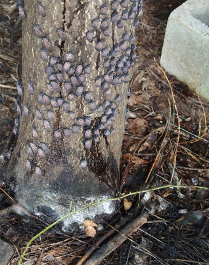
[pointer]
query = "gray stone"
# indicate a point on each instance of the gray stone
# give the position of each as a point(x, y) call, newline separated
point(185, 52)
point(6, 252)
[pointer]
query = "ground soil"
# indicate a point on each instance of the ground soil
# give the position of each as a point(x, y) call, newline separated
point(165, 142)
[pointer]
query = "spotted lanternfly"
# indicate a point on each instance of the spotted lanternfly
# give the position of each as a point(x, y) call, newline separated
point(134, 7)
point(124, 15)
point(108, 111)
point(38, 31)
point(126, 78)
point(21, 12)
point(50, 115)
point(71, 71)
point(41, 9)
point(96, 132)
point(66, 107)
point(38, 171)
point(87, 144)
point(106, 103)
point(87, 96)
point(95, 23)
point(112, 53)
point(49, 70)
point(79, 91)
point(46, 43)
point(120, 24)
point(60, 101)
point(67, 132)
point(44, 55)
point(117, 98)
point(128, 51)
point(103, 9)
point(26, 110)
point(70, 96)
point(88, 121)
point(113, 105)
point(47, 125)
point(106, 63)
point(83, 163)
point(50, 89)
point(106, 32)
point(105, 84)
point(90, 35)
point(30, 88)
point(136, 22)
point(82, 78)
point(101, 126)
point(62, 34)
point(98, 81)
point(131, 14)
point(29, 151)
point(75, 128)
point(103, 119)
point(46, 100)
point(132, 37)
point(114, 5)
point(41, 153)
point(38, 114)
point(78, 69)
point(114, 17)
point(99, 45)
point(53, 60)
point(104, 23)
point(59, 67)
point(87, 69)
point(100, 108)
point(68, 87)
point(107, 91)
point(124, 4)
point(72, 115)
point(112, 116)
point(59, 77)
point(55, 86)
point(125, 36)
point(113, 61)
point(123, 46)
point(112, 131)
point(28, 166)
point(57, 134)
point(96, 139)
point(52, 77)
point(87, 133)
point(81, 122)
point(68, 56)
point(104, 52)
point(66, 66)
point(106, 132)
point(34, 148)
point(74, 81)
point(19, 88)
point(45, 148)
point(107, 78)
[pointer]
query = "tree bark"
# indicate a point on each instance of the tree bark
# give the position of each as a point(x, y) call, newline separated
point(72, 123)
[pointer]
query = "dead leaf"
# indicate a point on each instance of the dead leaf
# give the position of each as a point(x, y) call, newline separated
point(127, 204)
point(138, 126)
point(89, 228)
point(134, 159)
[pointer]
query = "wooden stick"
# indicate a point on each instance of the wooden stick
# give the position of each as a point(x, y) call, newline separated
point(117, 240)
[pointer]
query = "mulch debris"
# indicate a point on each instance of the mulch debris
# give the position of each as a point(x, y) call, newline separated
point(165, 142)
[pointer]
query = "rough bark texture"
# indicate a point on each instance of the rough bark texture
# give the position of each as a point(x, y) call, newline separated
point(46, 181)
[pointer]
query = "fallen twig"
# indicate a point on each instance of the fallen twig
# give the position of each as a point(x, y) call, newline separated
point(117, 240)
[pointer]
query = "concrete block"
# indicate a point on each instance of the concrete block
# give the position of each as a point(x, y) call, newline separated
point(185, 52)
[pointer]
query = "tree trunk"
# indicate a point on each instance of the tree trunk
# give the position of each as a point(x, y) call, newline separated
point(75, 63)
